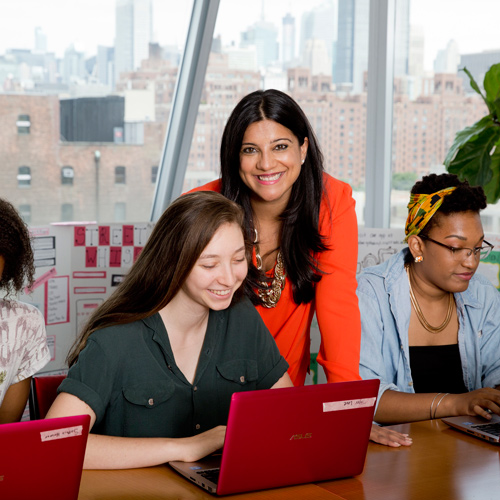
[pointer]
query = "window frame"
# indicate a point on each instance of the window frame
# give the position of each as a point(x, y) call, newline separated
point(173, 165)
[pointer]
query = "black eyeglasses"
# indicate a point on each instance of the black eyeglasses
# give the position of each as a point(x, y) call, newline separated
point(460, 254)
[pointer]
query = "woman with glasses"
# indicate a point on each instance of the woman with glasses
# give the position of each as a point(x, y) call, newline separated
point(430, 324)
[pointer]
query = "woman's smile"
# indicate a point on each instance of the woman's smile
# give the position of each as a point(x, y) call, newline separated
point(271, 160)
point(270, 178)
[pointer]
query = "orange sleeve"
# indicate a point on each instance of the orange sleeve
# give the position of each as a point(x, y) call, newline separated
point(209, 186)
point(337, 308)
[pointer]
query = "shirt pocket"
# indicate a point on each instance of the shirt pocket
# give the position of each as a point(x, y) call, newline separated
point(242, 373)
point(237, 375)
point(149, 395)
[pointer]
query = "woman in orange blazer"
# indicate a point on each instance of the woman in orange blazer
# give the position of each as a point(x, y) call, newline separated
point(304, 228)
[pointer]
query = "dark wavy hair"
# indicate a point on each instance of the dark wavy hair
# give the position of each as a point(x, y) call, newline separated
point(465, 198)
point(15, 248)
point(299, 238)
point(177, 240)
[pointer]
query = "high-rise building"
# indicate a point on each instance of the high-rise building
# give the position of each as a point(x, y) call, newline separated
point(402, 38)
point(447, 60)
point(320, 24)
point(73, 65)
point(134, 32)
point(416, 51)
point(352, 43)
point(316, 57)
point(40, 41)
point(264, 36)
point(351, 60)
point(288, 43)
point(478, 64)
point(105, 65)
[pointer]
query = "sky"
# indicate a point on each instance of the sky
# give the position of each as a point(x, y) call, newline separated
point(87, 24)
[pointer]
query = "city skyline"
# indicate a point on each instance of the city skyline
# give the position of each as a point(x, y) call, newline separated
point(441, 22)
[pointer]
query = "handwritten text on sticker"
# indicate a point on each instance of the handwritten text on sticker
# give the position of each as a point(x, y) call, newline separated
point(67, 432)
point(351, 404)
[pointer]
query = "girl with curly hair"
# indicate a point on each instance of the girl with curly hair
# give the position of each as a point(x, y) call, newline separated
point(23, 342)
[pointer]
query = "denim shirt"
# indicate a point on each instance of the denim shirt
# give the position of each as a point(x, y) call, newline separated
point(384, 302)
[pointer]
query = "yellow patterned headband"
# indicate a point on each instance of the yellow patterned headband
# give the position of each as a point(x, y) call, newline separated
point(421, 208)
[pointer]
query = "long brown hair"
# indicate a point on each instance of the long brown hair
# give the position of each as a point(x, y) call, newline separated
point(178, 239)
point(300, 239)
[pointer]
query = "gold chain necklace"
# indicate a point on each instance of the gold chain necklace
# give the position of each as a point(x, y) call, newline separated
point(420, 314)
point(272, 293)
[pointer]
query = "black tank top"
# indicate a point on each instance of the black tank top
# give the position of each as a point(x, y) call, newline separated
point(437, 368)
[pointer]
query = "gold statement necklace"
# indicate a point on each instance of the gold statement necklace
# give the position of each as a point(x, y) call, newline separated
point(420, 314)
point(272, 292)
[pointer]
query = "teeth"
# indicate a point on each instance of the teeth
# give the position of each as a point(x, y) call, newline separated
point(273, 177)
point(222, 293)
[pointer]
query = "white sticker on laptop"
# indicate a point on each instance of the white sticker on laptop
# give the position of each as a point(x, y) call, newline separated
point(349, 404)
point(64, 433)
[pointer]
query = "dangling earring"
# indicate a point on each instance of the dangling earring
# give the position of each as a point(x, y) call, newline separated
point(419, 259)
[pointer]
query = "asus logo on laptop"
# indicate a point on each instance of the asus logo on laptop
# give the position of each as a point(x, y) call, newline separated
point(307, 435)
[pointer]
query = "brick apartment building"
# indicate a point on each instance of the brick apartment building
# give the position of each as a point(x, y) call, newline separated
point(50, 179)
point(423, 129)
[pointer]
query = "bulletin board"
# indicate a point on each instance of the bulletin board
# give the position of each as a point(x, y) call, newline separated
point(77, 267)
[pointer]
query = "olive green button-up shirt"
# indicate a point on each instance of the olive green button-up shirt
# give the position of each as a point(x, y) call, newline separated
point(128, 376)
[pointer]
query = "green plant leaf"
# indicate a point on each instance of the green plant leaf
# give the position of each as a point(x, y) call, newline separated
point(475, 86)
point(473, 159)
point(492, 83)
point(492, 189)
point(496, 105)
point(473, 82)
point(466, 135)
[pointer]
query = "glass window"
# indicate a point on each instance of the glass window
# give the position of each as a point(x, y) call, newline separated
point(316, 51)
point(77, 91)
point(23, 124)
point(67, 176)
point(24, 177)
point(154, 174)
point(25, 213)
point(67, 212)
point(120, 175)
point(120, 212)
point(428, 83)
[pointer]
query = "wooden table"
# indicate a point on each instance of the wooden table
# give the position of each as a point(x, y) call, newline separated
point(441, 464)
point(163, 483)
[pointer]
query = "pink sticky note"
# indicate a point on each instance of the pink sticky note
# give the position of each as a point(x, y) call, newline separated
point(137, 251)
point(79, 236)
point(90, 256)
point(103, 235)
point(128, 236)
point(115, 256)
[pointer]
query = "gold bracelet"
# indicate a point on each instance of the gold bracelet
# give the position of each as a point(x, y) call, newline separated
point(439, 402)
point(430, 411)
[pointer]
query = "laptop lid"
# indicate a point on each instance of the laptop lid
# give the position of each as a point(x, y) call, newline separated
point(43, 459)
point(282, 437)
point(489, 430)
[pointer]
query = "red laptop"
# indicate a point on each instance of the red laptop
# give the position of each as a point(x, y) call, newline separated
point(43, 459)
point(281, 437)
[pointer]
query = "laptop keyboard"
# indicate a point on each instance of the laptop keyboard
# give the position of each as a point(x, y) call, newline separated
point(490, 428)
point(210, 474)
